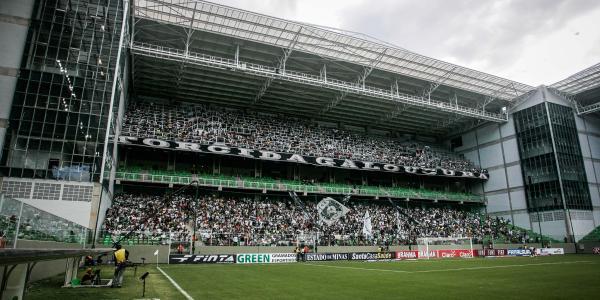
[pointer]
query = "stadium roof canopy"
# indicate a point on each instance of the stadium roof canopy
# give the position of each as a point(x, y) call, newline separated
point(583, 88)
point(187, 50)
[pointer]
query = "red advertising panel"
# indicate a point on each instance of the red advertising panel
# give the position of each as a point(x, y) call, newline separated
point(448, 253)
point(407, 254)
point(464, 253)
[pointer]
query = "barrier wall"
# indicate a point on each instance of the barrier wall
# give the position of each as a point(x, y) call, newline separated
point(147, 251)
point(588, 247)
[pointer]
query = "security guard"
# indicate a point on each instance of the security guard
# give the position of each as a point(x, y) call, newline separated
point(120, 256)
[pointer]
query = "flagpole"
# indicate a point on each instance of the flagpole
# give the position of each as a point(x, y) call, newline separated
point(156, 254)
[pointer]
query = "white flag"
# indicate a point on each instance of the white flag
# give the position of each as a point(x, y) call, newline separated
point(156, 252)
point(367, 229)
point(330, 210)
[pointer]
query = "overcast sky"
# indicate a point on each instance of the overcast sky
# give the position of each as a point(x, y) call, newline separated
point(529, 41)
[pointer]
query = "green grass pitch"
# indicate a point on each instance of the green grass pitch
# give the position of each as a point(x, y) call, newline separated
point(556, 277)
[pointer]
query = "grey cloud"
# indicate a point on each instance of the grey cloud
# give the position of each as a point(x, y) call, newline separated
point(487, 35)
point(492, 33)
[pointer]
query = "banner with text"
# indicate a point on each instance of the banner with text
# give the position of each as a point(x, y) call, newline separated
point(448, 253)
point(265, 258)
point(550, 251)
point(326, 256)
point(407, 254)
point(519, 252)
point(350, 256)
point(202, 259)
point(371, 255)
point(296, 158)
point(492, 252)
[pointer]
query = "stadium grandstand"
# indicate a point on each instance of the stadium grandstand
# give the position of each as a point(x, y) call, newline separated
point(160, 123)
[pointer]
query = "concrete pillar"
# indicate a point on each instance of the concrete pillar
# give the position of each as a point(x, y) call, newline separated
point(14, 24)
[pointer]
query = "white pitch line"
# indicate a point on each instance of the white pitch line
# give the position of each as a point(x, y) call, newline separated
point(446, 270)
point(502, 266)
point(182, 291)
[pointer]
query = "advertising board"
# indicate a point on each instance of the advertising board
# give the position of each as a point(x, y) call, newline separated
point(202, 259)
point(265, 258)
point(519, 252)
point(491, 252)
point(550, 251)
point(407, 254)
point(326, 256)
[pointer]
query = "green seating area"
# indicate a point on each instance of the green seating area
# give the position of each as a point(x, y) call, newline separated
point(270, 184)
point(593, 236)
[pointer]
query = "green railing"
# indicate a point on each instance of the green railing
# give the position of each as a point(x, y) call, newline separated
point(296, 186)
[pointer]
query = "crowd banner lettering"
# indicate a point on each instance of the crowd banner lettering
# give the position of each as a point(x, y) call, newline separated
point(296, 158)
point(202, 259)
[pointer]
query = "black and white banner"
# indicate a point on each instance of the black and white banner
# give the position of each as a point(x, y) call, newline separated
point(326, 256)
point(372, 255)
point(202, 259)
point(296, 158)
point(350, 256)
point(330, 210)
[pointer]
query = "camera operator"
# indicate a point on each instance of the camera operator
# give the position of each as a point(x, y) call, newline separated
point(120, 257)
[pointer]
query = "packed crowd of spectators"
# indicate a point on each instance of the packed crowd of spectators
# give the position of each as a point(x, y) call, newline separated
point(206, 125)
point(148, 218)
point(250, 222)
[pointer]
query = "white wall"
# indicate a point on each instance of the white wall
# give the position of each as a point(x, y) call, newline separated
point(52, 196)
point(518, 199)
point(74, 211)
point(582, 227)
point(554, 229)
point(491, 155)
point(521, 219)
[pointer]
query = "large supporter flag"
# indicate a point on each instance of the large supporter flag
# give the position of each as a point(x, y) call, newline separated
point(330, 210)
point(367, 228)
